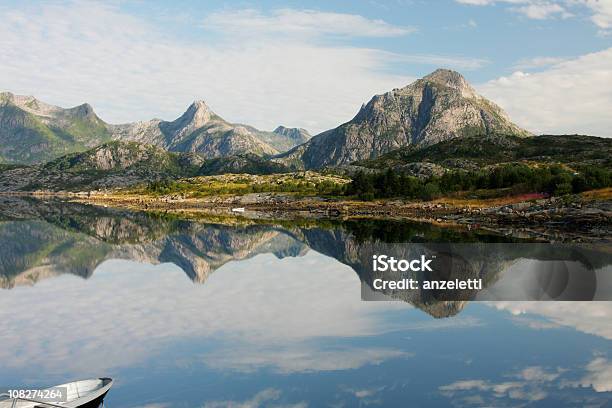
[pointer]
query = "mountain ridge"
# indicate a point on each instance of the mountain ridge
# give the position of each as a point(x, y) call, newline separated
point(32, 131)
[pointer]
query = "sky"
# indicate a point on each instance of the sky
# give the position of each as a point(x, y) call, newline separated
point(547, 63)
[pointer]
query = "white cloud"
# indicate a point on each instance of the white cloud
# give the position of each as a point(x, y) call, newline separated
point(599, 375)
point(457, 62)
point(533, 383)
point(465, 385)
point(538, 62)
point(264, 398)
point(538, 374)
point(516, 390)
point(542, 11)
point(296, 358)
point(588, 317)
point(600, 10)
point(569, 97)
point(251, 22)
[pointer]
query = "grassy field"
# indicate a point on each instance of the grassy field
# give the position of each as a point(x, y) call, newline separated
point(300, 183)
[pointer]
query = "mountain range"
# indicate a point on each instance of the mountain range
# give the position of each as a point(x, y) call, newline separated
point(436, 123)
point(33, 132)
point(200, 130)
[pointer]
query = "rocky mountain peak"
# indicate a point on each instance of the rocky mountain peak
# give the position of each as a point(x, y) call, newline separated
point(290, 137)
point(280, 129)
point(196, 115)
point(450, 79)
point(446, 77)
point(29, 104)
point(198, 105)
point(288, 131)
point(84, 111)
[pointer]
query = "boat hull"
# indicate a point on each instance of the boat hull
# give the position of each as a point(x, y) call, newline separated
point(95, 403)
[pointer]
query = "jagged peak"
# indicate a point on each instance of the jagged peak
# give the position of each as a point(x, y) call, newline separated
point(199, 104)
point(29, 104)
point(17, 99)
point(444, 75)
point(83, 111)
point(451, 79)
point(199, 108)
point(280, 129)
point(196, 115)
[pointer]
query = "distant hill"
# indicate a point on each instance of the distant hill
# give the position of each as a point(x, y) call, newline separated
point(245, 163)
point(438, 107)
point(32, 131)
point(475, 152)
point(113, 164)
point(120, 164)
point(290, 137)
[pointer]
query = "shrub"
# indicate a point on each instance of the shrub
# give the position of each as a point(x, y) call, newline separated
point(517, 177)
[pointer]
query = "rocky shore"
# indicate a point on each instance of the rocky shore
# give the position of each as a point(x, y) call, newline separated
point(573, 218)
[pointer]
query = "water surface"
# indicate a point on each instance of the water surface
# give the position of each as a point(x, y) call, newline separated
point(191, 314)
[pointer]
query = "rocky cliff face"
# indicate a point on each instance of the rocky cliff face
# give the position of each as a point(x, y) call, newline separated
point(438, 107)
point(32, 131)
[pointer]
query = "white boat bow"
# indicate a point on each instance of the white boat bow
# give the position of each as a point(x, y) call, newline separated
point(79, 394)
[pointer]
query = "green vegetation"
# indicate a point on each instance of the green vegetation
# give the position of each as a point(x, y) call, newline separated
point(118, 156)
point(500, 164)
point(472, 152)
point(512, 178)
point(243, 163)
point(303, 183)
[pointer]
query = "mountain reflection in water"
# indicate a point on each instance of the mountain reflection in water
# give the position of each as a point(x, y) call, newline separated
point(279, 322)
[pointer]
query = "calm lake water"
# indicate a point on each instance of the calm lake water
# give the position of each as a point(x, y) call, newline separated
point(200, 314)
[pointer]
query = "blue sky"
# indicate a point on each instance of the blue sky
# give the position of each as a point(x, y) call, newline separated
point(499, 36)
point(548, 63)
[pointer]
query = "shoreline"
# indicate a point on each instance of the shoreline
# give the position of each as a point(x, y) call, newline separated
point(579, 218)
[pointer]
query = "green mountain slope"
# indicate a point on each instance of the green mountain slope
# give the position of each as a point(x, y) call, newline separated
point(113, 164)
point(32, 131)
point(474, 152)
point(246, 163)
